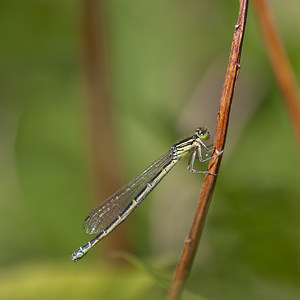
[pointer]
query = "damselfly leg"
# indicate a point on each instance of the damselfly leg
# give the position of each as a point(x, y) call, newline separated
point(198, 152)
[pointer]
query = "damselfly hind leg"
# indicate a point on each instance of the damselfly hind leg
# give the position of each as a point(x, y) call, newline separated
point(190, 166)
point(197, 152)
point(218, 153)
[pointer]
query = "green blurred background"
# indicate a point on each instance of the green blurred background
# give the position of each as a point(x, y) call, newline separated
point(166, 62)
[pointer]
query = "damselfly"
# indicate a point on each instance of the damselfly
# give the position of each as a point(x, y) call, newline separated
point(113, 211)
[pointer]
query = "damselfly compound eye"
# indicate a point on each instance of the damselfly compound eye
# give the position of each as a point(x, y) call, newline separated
point(203, 133)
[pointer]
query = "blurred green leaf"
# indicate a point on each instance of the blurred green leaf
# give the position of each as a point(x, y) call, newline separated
point(160, 56)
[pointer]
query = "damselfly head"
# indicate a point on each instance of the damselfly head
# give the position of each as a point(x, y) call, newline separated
point(202, 133)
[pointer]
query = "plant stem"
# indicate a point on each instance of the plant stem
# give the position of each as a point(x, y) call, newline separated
point(191, 243)
point(105, 168)
point(280, 64)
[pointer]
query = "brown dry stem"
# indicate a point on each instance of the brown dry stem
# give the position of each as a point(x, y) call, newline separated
point(191, 244)
point(103, 149)
point(280, 64)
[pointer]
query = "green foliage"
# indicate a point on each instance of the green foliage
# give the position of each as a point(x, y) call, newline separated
point(161, 53)
point(66, 281)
